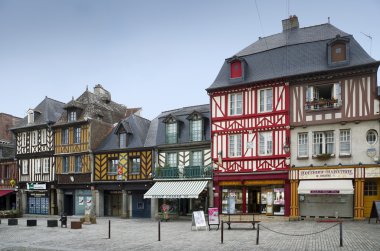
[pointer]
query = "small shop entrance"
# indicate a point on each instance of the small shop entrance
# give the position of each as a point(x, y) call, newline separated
point(68, 204)
point(371, 193)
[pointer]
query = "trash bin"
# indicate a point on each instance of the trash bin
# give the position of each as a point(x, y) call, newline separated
point(63, 220)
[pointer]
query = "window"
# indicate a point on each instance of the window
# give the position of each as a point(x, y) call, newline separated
point(34, 138)
point(113, 166)
point(72, 116)
point(236, 69)
point(171, 133)
point(323, 143)
point(196, 158)
point(196, 130)
point(78, 164)
point(303, 149)
point(45, 165)
point(265, 100)
point(77, 132)
point(23, 139)
point(345, 142)
point(323, 96)
point(43, 136)
point(65, 136)
point(338, 52)
point(370, 188)
point(135, 165)
point(371, 137)
point(30, 116)
point(122, 140)
point(65, 164)
point(234, 145)
point(37, 167)
point(24, 164)
point(265, 143)
point(236, 104)
point(171, 159)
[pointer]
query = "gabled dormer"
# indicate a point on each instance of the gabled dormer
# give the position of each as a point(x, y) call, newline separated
point(196, 122)
point(123, 130)
point(338, 51)
point(74, 109)
point(171, 129)
point(237, 68)
point(30, 116)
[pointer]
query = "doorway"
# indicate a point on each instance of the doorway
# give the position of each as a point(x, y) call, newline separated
point(68, 204)
point(253, 201)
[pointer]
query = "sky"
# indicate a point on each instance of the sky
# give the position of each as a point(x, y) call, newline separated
point(155, 54)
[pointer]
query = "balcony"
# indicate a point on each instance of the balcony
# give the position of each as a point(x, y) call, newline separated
point(188, 172)
point(322, 104)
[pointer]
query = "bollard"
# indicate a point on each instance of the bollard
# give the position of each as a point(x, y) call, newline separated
point(109, 229)
point(257, 233)
point(221, 233)
point(341, 233)
point(159, 230)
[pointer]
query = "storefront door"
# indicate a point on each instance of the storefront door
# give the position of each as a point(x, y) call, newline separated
point(38, 205)
point(371, 193)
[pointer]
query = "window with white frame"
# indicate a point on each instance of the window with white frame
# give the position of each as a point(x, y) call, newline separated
point(122, 140)
point(345, 142)
point(371, 137)
point(24, 166)
point(323, 96)
point(235, 104)
point(265, 143)
point(23, 139)
point(323, 142)
point(196, 158)
point(43, 136)
point(30, 116)
point(265, 100)
point(113, 165)
point(77, 133)
point(45, 165)
point(234, 145)
point(196, 130)
point(34, 138)
point(303, 149)
point(134, 165)
point(171, 132)
point(72, 116)
point(37, 166)
point(171, 159)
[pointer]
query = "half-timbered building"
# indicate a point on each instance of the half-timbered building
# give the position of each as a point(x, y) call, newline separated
point(35, 158)
point(83, 125)
point(8, 165)
point(183, 168)
point(123, 170)
point(334, 116)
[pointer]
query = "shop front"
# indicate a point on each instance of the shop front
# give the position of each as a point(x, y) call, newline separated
point(371, 188)
point(260, 193)
point(40, 198)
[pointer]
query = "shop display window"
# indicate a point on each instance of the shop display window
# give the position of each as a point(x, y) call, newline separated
point(232, 201)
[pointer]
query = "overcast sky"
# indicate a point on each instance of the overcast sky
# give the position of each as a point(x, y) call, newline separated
point(157, 54)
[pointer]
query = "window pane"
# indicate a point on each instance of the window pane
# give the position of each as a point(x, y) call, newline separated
point(78, 164)
point(171, 133)
point(239, 103)
point(317, 143)
point(345, 142)
point(302, 144)
point(269, 99)
point(196, 158)
point(196, 130)
point(232, 104)
point(122, 140)
point(329, 142)
point(261, 100)
point(113, 165)
point(135, 165)
point(171, 160)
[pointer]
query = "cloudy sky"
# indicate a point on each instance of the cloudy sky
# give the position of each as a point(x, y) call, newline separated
point(157, 54)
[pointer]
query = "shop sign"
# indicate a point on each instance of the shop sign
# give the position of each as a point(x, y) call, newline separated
point(36, 186)
point(326, 174)
point(372, 172)
point(324, 191)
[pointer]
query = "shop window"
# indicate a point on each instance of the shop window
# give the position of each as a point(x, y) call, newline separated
point(235, 104)
point(265, 143)
point(234, 145)
point(266, 100)
point(112, 166)
point(323, 143)
point(134, 165)
point(303, 145)
point(370, 188)
point(324, 96)
point(232, 201)
point(371, 137)
point(345, 142)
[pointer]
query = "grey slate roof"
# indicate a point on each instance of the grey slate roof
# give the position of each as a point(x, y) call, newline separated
point(290, 53)
point(46, 112)
point(136, 128)
point(156, 133)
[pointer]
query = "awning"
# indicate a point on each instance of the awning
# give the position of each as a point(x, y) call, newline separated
point(325, 187)
point(5, 192)
point(176, 189)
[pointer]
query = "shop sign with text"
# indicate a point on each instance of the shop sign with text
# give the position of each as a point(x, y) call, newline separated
point(346, 173)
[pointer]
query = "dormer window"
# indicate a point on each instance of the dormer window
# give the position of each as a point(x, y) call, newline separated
point(236, 69)
point(30, 116)
point(72, 116)
point(338, 51)
point(171, 130)
point(196, 126)
point(122, 140)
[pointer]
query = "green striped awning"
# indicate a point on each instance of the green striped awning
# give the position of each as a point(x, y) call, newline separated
point(176, 189)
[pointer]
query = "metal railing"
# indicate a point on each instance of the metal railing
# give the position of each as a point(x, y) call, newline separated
point(187, 172)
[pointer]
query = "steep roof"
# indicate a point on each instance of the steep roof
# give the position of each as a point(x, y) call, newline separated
point(46, 112)
point(290, 53)
point(135, 126)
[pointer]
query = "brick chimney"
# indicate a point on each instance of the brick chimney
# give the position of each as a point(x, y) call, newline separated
point(290, 23)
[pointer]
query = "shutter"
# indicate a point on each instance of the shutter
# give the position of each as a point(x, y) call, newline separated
point(337, 94)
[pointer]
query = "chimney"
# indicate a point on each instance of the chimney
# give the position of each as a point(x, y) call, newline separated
point(102, 93)
point(290, 23)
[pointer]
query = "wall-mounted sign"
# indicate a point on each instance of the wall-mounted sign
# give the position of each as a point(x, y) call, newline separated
point(371, 152)
point(36, 186)
point(345, 173)
point(372, 172)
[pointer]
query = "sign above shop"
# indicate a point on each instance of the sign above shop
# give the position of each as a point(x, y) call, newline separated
point(372, 172)
point(347, 173)
point(324, 191)
point(36, 186)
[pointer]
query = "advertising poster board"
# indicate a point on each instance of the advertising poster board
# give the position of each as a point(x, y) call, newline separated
point(213, 217)
point(198, 220)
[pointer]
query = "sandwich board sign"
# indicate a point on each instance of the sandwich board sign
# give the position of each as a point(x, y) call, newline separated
point(213, 217)
point(375, 211)
point(198, 220)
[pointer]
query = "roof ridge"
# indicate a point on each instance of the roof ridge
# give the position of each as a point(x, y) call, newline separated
point(46, 97)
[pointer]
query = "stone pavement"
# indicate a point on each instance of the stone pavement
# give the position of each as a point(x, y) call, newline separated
point(142, 234)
